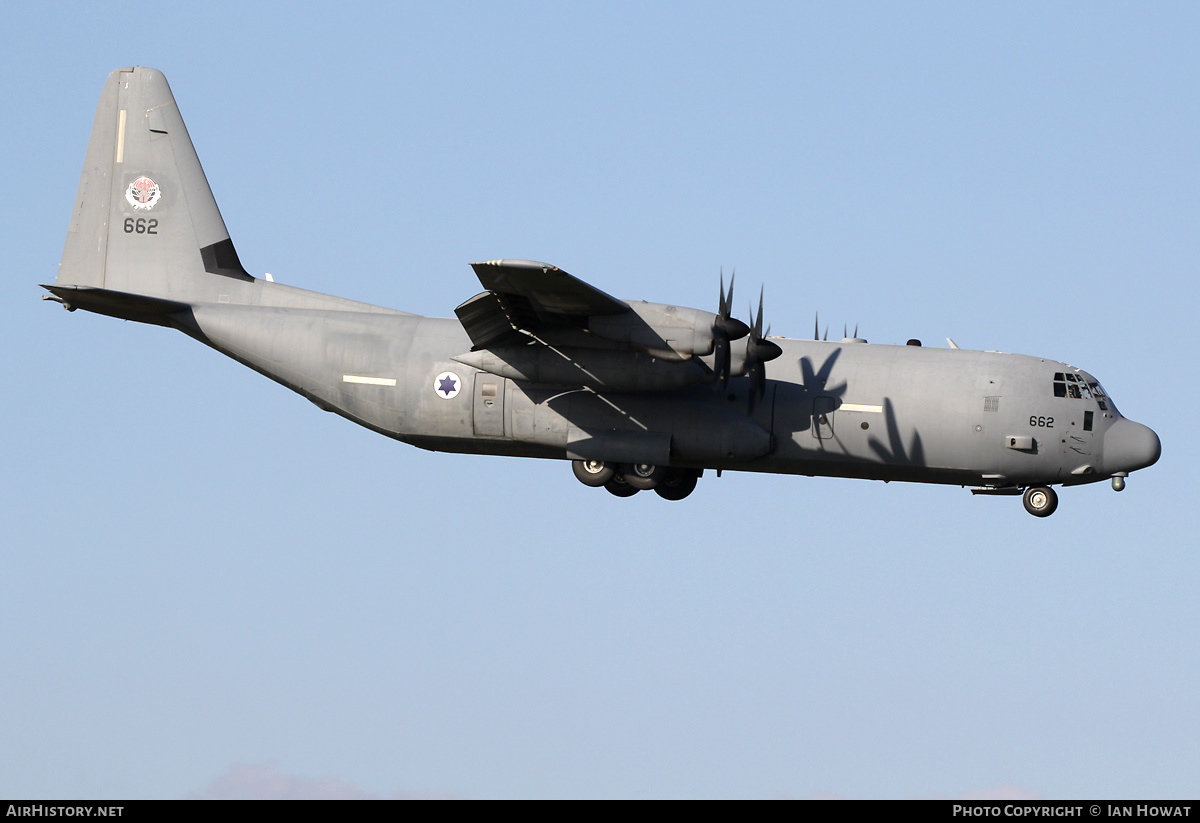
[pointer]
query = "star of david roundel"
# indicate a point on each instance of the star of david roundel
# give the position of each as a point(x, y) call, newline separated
point(447, 385)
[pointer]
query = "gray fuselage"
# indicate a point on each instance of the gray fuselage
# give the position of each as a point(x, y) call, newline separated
point(848, 409)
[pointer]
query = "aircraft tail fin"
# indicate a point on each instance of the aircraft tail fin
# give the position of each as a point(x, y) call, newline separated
point(145, 221)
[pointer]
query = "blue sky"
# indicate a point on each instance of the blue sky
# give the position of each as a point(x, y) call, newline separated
point(213, 589)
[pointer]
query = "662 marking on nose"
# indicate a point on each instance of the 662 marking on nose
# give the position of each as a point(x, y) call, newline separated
point(1041, 422)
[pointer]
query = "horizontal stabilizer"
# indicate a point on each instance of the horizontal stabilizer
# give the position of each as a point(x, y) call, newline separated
point(126, 306)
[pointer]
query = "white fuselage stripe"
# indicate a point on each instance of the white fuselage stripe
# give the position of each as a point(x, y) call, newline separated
point(368, 381)
point(121, 138)
point(860, 407)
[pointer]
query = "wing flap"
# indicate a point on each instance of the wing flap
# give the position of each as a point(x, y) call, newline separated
point(487, 321)
point(555, 296)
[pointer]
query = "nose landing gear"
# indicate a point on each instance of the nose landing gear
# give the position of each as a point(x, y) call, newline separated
point(1040, 501)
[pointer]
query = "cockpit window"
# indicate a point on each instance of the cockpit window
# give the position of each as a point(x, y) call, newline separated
point(1077, 388)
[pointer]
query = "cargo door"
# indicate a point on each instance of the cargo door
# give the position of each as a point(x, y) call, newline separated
point(823, 413)
point(488, 408)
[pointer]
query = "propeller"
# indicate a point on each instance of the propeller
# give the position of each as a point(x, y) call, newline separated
point(759, 351)
point(725, 329)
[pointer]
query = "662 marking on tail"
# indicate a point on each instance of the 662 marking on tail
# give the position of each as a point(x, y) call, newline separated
point(140, 225)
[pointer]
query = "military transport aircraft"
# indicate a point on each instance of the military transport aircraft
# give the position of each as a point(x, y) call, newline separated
point(638, 395)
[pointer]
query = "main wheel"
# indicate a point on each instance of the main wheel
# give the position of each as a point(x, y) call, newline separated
point(1040, 501)
point(643, 475)
point(678, 484)
point(619, 486)
point(592, 472)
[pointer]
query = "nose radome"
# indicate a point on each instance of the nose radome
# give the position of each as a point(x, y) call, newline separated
point(1129, 446)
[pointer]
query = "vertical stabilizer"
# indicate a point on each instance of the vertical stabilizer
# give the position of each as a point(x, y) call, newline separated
point(145, 220)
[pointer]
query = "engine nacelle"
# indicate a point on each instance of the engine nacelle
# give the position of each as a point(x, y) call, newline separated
point(666, 332)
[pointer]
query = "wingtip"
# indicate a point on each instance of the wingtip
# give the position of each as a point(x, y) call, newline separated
point(515, 264)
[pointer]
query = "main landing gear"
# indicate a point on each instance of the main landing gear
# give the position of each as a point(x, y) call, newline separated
point(626, 480)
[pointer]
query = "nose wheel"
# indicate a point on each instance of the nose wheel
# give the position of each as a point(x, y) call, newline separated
point(1040, 501)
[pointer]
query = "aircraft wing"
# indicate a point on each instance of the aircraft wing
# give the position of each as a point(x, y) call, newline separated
point(524, 295)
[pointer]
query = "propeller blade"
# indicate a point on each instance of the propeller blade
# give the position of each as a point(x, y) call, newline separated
point(757, 373)
point(759, 351)
point(758, 320)
point(724, 329)
point(726, 324)
point(721, 362)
